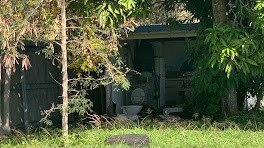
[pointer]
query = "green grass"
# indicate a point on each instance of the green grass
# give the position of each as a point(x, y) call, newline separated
point(164, 135)
point(159, 138)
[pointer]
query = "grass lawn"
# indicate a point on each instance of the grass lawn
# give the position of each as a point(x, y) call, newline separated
point(161, 135)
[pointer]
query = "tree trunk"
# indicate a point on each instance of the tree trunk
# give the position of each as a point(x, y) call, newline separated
point(229, 105)
point(223, 106)
point(64, 73)
point(219, 11)
point(6, 100)
point(1, 91)
point(232, 108)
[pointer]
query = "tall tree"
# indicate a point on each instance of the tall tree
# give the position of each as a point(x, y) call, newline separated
point(64, 71)
point(88, 30)
point(229, 105)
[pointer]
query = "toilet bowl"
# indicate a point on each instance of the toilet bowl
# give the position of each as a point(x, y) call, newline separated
point(137, 99)
point(131, 110)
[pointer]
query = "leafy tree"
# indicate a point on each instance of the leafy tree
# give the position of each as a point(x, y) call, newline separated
point(230, 43)
point(88, 32)
point(229, 103)
point(236, 47)
point(15, 25)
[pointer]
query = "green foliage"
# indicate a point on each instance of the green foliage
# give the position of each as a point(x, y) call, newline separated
point(93, 34)
point(199, 8)
point(78, 103)
point(259, 12)
point(102, 24)
point(232, 48)
point(118, 11)
point(232, 54)
point(209, 83)
point(113, 13)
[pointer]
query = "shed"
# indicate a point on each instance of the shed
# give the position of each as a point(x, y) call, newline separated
point(158, 52)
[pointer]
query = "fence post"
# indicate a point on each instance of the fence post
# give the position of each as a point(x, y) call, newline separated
point(24, 97)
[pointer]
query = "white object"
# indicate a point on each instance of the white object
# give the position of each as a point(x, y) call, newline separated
point(250, 101)
point(138, 96)
point(115, 95)
point(131, 110)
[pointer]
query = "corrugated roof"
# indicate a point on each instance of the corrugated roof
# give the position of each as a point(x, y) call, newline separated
point(165, 28)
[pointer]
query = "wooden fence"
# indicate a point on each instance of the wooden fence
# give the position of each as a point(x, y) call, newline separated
point(33, 90)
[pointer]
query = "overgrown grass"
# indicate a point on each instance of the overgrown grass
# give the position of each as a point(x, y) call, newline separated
point(202, 133)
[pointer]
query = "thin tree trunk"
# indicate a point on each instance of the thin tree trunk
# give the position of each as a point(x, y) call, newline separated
point(6, 100)
point(232, 101)
point(64, 73)
point(1, 91)
point(229, 104)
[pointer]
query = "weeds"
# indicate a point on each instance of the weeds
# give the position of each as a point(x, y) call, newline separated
point(204, 132)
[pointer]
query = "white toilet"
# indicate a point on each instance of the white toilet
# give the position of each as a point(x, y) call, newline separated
point(137, 99)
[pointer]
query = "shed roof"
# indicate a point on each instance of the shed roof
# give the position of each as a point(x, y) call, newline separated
point(162, 28)
point(164, 31)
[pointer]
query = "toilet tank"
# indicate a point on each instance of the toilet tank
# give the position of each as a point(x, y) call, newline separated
point(144, 81)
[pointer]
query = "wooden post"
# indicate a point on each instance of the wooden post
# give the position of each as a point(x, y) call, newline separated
point(24, 97)
point(160, 72)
